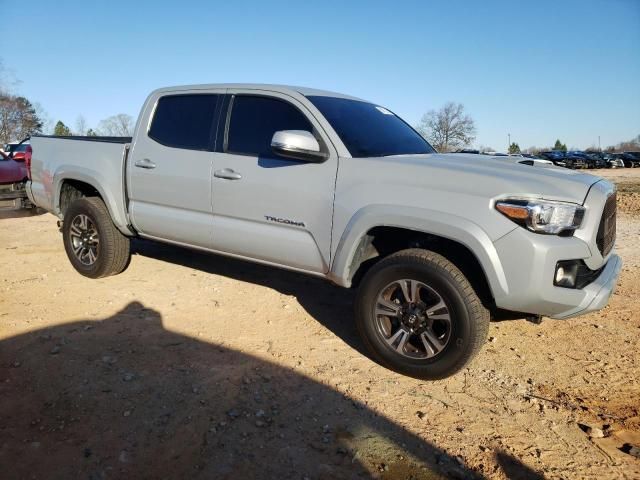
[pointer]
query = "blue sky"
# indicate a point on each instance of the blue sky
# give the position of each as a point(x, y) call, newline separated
point(537, 69)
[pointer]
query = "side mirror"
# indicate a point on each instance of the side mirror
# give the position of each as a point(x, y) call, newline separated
point(298, 145)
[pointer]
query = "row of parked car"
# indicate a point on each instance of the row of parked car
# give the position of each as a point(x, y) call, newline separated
point(573, 159)
point(579, 159)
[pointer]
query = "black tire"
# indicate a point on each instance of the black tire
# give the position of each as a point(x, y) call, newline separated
point(112, 250)
point(467, 326)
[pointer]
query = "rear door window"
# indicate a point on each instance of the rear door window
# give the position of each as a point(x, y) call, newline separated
point(255, 119)
point(185, 121)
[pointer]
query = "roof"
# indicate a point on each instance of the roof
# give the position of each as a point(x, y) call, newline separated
point(289, 89)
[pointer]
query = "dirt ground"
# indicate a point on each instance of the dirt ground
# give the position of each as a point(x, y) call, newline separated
point(191, 365)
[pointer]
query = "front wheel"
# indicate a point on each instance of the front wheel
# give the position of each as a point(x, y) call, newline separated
point(95, 247)
point(419, 315)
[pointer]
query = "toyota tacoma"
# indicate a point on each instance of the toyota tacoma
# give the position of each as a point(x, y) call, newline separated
point(340, 188)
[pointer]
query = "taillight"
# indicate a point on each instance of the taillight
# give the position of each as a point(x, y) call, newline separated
point(27, 160)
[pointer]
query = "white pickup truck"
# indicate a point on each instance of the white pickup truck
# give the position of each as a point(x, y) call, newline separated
point(344, 189)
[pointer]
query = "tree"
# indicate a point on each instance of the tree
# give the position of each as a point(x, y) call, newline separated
point(18, 118)
point(81, 125)
point(7, 79)
point(514, 148)
point(448, 128)
point(120, 125)
point(61, 130)
point(629, 145)
point(560, 146)
point(91, 133)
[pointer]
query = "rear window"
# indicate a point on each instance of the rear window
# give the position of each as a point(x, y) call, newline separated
point(184, 121)
point(12, 147)
point(255, 119)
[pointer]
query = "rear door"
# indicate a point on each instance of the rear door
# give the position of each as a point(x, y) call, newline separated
point(169, 167)
point(266, 207)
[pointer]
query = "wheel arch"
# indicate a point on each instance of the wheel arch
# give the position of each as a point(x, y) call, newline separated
point(69, 186)
point(377, 231)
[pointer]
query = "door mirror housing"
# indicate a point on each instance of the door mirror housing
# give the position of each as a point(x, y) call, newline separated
point(298, 145)
point(19, 156)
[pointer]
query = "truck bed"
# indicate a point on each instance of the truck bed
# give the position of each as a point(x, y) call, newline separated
point(96, 161)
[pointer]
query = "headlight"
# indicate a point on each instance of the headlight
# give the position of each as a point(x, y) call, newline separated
point(542, 216)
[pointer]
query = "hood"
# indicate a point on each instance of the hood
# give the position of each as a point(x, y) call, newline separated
point(493, 176)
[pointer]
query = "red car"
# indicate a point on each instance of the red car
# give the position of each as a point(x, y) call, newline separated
point(14, 165)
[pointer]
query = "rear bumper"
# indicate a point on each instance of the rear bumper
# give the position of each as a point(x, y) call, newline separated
point(12, 191)
point(12, 195)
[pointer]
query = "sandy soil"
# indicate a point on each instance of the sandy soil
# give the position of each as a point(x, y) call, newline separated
point(190, 365)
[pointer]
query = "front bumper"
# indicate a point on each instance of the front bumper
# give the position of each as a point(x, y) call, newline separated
point(529, 262)
point(599, 291)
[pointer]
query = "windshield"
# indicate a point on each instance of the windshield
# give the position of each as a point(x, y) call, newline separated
point(368, 130)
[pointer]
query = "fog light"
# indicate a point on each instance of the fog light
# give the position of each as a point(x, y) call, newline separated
point(566, 272)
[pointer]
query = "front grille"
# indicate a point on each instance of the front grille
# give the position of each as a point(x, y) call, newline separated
point(607, 229)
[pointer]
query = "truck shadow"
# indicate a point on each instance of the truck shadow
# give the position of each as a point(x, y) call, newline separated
point(125, 398)
point(330, 305)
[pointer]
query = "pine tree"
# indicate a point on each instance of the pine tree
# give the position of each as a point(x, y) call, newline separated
point(560, 146)
point(61, 130)
point(514, 148)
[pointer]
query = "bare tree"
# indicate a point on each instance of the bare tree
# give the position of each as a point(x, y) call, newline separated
point(533, 150)
point(629, 145)
point(120, 125)
point(448, 128)
point(45, 119)
point(81, 125)
point(8, 79)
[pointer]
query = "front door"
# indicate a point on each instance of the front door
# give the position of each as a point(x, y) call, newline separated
point(265, 207)
point(169, 168)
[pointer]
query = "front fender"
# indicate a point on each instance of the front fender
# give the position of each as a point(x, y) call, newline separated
point(421, 220)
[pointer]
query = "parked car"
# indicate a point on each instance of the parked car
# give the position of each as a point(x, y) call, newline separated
point(496, 154)
point(580, 159)
point(533, 160)
point(575, 161)
point(631, 159)
point(615, 160)
point(343, 189)
point(513, 158)
point(558, 157)
point(13, 175)
point(19, 151)
point(538, 160)
point(597, 159)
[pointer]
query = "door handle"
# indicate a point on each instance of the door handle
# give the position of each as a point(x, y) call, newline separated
point(145, 163)
point(227, 173)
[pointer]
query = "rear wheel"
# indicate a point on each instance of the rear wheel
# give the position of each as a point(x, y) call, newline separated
point(95, 247)
point(419, 315)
